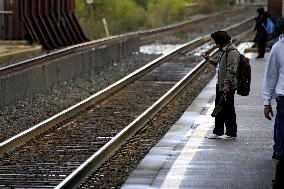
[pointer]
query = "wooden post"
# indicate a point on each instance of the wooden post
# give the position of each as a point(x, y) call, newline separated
point(105, 26)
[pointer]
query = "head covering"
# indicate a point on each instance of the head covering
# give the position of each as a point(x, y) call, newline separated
point(221, 37)
point(261, 11)
point(268, 14)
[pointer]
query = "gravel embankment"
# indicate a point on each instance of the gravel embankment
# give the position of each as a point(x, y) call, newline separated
point(26, 113)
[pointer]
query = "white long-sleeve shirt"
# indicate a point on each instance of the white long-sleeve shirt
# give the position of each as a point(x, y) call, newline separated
point(273, 82)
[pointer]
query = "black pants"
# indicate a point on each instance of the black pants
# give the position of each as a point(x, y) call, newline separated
point(228, 115)
point(279, 176)
point(260, 48)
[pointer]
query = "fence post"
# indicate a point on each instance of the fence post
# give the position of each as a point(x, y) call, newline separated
point(106, 27)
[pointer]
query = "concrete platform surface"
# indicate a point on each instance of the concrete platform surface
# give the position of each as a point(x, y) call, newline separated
point(184, 158)
point(15, 50)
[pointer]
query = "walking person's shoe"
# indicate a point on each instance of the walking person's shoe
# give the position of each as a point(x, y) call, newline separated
point(258, 57)
point(212, 136)
point(276, 155)
point(275, 184)
point(227, 137)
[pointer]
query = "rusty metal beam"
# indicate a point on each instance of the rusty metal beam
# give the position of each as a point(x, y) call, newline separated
point(55, 18)
point(48, 22)
point(27, 21)
point(44, 19)
point(73, 20)
point(67, 22)
point(40, 22)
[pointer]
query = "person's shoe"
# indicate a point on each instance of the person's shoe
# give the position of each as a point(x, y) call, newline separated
point(212, 136)
point(276, 155)
point(258, 57)
point(227, 137)
point(275, 184)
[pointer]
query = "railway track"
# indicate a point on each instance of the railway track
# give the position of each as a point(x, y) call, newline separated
point(47, 153)
point(144, 37)
point(28, 92)
point(40, 91)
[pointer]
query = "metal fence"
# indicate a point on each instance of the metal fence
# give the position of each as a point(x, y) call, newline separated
point(252, 2)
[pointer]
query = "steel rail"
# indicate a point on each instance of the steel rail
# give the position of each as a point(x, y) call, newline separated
point(78, 176)
point(70, 112)
point(108, 149)
point(92, 45)
point(26, 135)
point(150, 35)
point(44, 59)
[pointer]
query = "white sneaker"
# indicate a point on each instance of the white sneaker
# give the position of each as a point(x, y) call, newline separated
point(213, 136)
point(226, 137)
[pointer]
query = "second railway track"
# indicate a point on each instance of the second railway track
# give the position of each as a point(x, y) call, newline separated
point(19, 115)
point(48, 158)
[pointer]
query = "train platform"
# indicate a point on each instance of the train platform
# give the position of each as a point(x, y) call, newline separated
point(186, 159)
point(10, 50)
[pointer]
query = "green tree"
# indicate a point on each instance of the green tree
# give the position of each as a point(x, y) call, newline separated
point(131, 15)
point(160, 12)
point(142, 3)
point(124, 15)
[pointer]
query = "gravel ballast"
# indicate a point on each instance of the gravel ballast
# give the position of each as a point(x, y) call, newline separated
point(26, 113)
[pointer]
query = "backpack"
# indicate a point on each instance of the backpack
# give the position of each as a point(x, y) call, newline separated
point(243, 75)
point(270, 27)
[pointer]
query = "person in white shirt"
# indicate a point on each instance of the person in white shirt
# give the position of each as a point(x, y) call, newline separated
point(226, 72)
point(273, 87)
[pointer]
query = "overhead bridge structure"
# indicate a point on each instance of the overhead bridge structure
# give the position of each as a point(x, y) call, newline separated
point(51, 23)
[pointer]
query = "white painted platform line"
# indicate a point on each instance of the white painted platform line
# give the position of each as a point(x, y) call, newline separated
point(182, 140)
point(178, 169)
point(167, 164)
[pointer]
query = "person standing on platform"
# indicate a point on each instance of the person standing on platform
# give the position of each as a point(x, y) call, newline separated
point(226, 70)
point(277, 33)
point(273, 87)
point(277, 137)
point(261, 34)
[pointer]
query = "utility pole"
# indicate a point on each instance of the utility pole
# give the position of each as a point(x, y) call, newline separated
point(90, 14)
point(106, 27)
point(90, 7)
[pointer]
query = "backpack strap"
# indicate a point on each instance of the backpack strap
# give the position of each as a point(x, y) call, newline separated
point(231, 49)
point(227, 52)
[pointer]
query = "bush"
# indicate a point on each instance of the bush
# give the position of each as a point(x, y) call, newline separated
point(216, 5)
point(161, 12)
point(131, 15)
point(121, 16)
point(124, 16)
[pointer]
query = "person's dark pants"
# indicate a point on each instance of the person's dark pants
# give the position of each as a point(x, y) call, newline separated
point(279, 176)
point(277, 137)
point(260, 48)
point(228, 115)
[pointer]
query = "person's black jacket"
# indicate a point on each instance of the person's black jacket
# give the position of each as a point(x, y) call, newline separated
point(261, 34)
